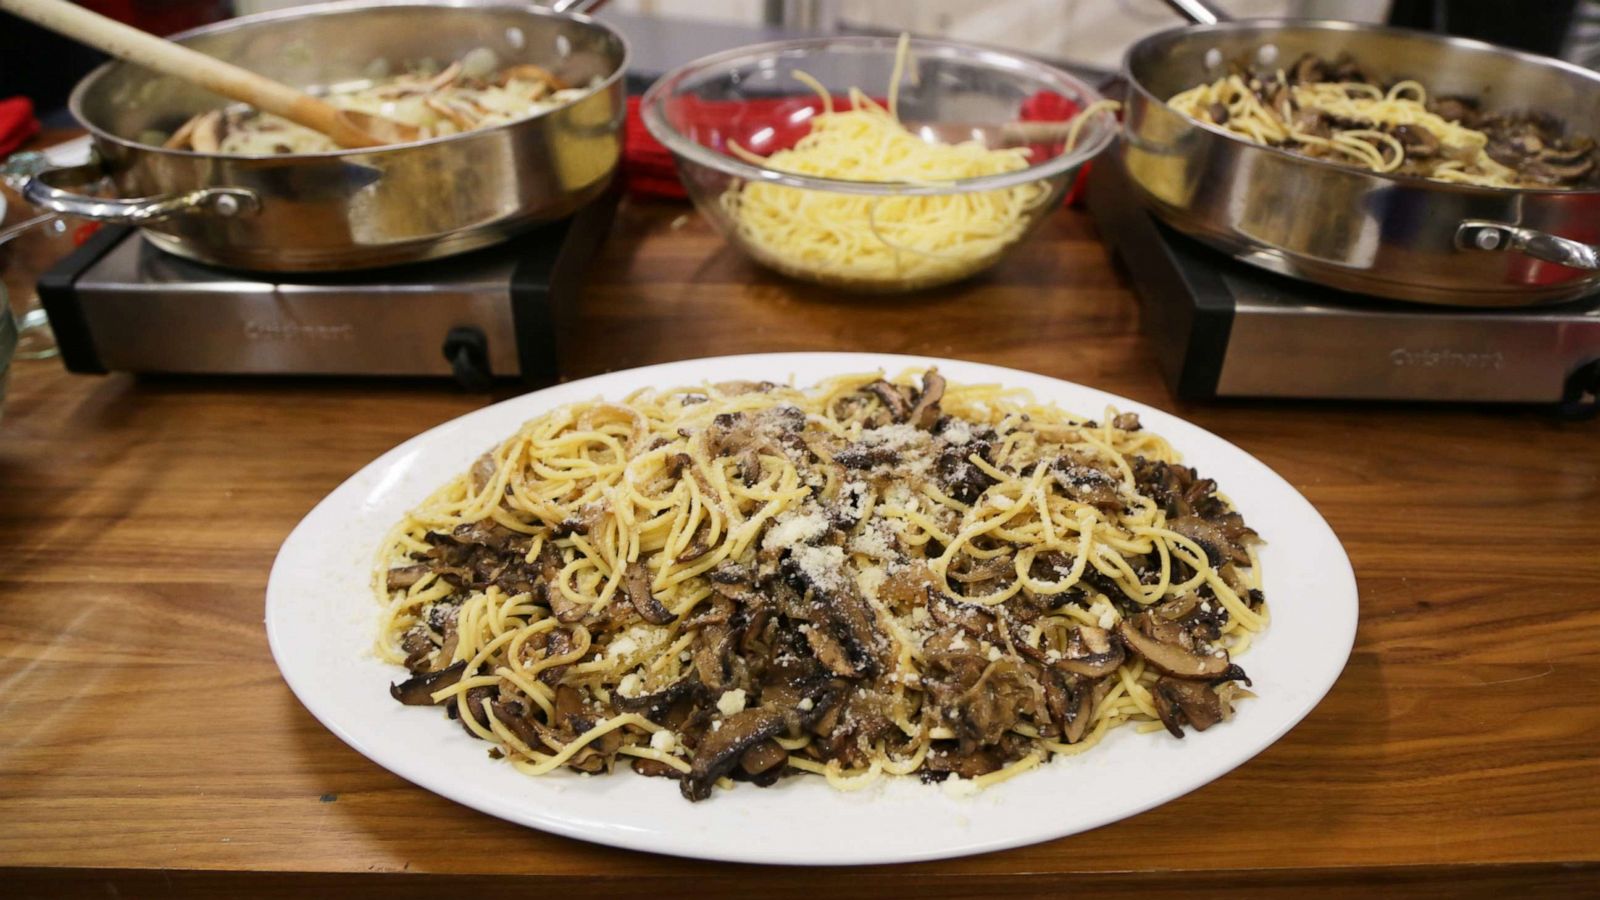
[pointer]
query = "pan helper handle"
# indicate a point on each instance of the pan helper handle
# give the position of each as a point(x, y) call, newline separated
point(42, 191)
point(1477, 234)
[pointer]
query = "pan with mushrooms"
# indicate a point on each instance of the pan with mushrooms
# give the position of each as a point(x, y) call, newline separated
point(1332, 109)
point(1384, 162)
point(520, 109)
point(471, 93)
point(744, 582)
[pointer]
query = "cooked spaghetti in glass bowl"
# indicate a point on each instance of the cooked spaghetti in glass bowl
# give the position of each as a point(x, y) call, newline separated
point(875, 164)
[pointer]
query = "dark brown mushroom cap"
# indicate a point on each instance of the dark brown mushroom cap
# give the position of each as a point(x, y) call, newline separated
point(793, 706)
point(1070, 700)
point(644, 603)
point(1179, 702)
point(1218, 546)
point(720, 749)
point(865, 456)
point(656, 706)
point(418, 690)
point(1418, 142)
point(1170, 658)
point(843, 630)
point(1462, 110)
point(518, 717)
point(893, 400)
point(762, 757)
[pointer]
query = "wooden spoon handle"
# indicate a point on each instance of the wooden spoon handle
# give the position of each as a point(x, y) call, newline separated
point(128, 43)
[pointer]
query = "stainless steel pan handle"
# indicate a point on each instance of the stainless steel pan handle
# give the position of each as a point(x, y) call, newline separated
point(1477, 234)
point(1200, 12)
point(41, 191)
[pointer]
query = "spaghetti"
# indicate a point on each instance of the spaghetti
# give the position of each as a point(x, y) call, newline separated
point(896, 242)
point(860, 579)
point(1396, 130)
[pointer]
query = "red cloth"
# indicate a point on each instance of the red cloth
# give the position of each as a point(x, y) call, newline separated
point(1047, 106)
point(762, 126)
point(17, 123)
point(647, 166)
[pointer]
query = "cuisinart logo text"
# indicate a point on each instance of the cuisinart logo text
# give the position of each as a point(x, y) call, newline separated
point(1446, 359)
point(289, 331)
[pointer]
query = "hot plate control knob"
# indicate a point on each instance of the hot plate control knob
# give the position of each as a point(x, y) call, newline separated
point(467, 349)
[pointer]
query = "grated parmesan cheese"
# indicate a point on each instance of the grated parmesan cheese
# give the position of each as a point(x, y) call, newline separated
point(731, 702)
point(797, 529)
point(870, 580)
point(631, 685)
point(873, 542)
point(664, 740)
point(822, 566)
point(1106, 613)
point(957, 431)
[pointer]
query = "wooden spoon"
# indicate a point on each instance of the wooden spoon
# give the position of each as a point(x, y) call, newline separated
point(347, 128)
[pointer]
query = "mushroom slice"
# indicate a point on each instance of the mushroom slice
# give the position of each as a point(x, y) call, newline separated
point(1091, 652)
point(450, 111)
point(517, 716)
point(762, 757)
point(1171, 658)
point(180, 138)
point(925, 411)
point(720, 750)
point(1070, 701)
point(1180, 702)
point(893, 400)
point(402, 577)
point(564, 608)
point(418, 690)
point(656, 706)
point(1218, 547)
point(530, 73)
point(205, 135)
point(444, 79)
point(969, 617)
point(483, 471)
point(646, 605)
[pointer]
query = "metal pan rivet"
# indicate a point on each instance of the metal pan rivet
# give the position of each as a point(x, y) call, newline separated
point(1213, 58)
point(226, 205)
point(1487, 239)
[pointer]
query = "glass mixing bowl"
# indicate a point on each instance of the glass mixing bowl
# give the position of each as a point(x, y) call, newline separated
point(950, 93)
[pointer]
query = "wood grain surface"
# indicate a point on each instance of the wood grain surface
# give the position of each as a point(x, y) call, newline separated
point(149, 747)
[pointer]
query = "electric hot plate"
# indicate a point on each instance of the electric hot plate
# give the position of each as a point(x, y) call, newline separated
point(1224, 328)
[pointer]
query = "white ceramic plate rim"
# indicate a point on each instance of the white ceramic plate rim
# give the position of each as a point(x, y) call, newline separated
point(320, 619)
